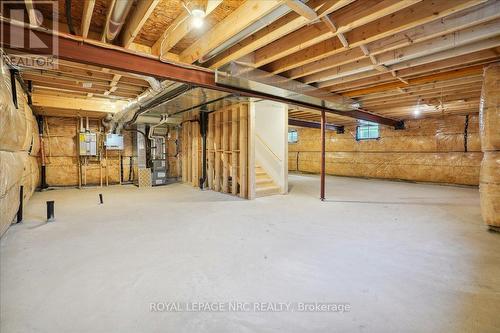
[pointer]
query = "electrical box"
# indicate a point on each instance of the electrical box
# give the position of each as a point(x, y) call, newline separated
point(88, 143)
point(114, 141)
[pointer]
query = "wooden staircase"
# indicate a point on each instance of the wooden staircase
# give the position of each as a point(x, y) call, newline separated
point(264, 184)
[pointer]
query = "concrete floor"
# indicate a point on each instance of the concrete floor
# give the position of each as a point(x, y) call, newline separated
point(405, 257)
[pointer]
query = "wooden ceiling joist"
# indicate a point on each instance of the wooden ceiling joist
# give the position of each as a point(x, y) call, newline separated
point(88, 9)
point(411, 17)
point(179, 29)
point(136, 20)
point(374, 77)
point(383, 54)
point(419, 54)
point(242, 17)
point(414, 44)
point(302, 9)
point(346, 19)
point(424, 79)
point(280, 28)
point(117, 59)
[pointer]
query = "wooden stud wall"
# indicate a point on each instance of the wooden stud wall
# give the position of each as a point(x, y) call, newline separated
point(227, 150)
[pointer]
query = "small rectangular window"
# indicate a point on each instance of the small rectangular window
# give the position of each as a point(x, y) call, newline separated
point(367, 131)
point(293, 136)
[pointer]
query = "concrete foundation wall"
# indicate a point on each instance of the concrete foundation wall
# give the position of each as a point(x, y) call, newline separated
point(428, 150)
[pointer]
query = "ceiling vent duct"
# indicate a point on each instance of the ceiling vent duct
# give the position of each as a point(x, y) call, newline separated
point(240, 76)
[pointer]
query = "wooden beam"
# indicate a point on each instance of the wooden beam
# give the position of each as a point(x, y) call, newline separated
point(246, 14)
point(411, 17)
point(37, 77)
point(178, 29)
point(458, 83)
point(87, 104)
point(31, 12)
point(446, 25)
point(302, 9)
point(373, 77)
point(279, 28)
point(135, 22)
point(440, 48)
point(234, 149)
point(413, 39)
point(346, 19)
point(218, 151)
point(88, 9)
point(331, 61)
point(118, 59)
point(420, 80)
point(225, 148)
point(243, 145)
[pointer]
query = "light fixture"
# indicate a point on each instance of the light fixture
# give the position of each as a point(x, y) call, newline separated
point(197, 17)
point(416, 112)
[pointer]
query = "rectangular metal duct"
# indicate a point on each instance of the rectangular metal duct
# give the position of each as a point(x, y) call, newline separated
point(248, 78)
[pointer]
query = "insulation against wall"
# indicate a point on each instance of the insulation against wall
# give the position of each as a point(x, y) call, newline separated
point(19, 144)
point(227, 150)
point(431, 149)
point(16, 169)
point(490, 144)
point(18, 127)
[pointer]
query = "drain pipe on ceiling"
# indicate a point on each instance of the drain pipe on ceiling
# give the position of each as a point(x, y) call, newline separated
point(116, 19)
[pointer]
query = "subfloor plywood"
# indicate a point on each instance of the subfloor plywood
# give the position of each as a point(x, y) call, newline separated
point(406, 257)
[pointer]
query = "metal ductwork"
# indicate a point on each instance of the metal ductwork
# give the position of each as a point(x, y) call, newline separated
point(116, 19)
point(146, 101)
point(251, 29)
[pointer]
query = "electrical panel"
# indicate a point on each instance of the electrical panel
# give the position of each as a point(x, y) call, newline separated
point(114, 141)
point(88, 143)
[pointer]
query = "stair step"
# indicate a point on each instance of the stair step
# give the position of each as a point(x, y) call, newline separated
point(267, 190)
point(264, 180)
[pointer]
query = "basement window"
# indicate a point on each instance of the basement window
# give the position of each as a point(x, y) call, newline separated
point(367, 131)
point(293, 136)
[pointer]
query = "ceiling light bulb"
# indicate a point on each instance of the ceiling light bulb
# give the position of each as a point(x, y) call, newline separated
point(198, 16)
point(416, 112)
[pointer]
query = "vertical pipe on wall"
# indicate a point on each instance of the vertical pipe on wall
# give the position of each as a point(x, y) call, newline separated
point(13, 73)
point(203, 132)
point(43, 175)
point(21, 202)
point(323, 138)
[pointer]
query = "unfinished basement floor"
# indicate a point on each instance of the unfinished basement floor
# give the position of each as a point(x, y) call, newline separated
point(405, 257)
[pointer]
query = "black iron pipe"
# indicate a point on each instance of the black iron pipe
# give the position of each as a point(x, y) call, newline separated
point(21, 201)
point(50, 211)
point(203, 132)
point(30, 90)
point(69, 18)
point(13, 73)
point(43, 174)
